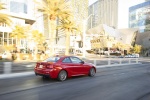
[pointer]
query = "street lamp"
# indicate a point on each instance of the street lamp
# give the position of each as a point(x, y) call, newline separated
point(84, 33)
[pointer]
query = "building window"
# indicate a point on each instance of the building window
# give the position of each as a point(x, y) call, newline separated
point(18, 7)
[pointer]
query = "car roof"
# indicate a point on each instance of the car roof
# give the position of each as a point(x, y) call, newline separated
point(64, 56)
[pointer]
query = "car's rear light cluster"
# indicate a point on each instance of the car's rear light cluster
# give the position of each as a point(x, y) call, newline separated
point(49, 66)
point(37, 64)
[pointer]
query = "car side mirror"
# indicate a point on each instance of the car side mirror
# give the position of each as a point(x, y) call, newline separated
point(82, 62)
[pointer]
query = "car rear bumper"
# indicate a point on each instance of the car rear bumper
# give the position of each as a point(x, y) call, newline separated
point(46, 75)
point(42, 72)
point(46, 72)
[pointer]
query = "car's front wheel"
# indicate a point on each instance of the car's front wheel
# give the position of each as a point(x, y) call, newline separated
point(62, 75)
point(92, 72)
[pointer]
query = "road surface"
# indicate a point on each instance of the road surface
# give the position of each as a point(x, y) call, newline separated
point(130, 82)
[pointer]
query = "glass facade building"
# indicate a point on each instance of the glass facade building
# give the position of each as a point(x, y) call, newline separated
point(18, 7)
point(139, 17)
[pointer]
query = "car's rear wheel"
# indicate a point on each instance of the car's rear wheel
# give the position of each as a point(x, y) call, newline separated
point(62, 75)
point(92, 72)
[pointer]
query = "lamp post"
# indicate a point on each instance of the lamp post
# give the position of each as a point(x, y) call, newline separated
point(84, 33)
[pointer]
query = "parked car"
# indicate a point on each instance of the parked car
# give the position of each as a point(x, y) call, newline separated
point(132, 56)
point(62, 67)
point(121, 56)
point(6, 55)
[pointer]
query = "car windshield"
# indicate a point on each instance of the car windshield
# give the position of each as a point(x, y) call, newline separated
point(52, 59)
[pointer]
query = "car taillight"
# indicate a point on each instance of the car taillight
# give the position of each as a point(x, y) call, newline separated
point(36, 65)
point(49, 66)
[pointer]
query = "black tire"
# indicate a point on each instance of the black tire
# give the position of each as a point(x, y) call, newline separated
point(92, 72)
point(62, 76)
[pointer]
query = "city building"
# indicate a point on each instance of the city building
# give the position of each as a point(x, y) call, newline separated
point(21, 12)
point(104, 12)
point(112, 14)
point(139, 17)
point(79, 9)
point(104, 38)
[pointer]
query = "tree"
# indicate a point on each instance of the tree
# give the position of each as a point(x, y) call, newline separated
point(18, 33)
point(69, 26)
point(3, 17)
point(38, 38)
point(54, 9)
point(103, 43)
point(137, 48)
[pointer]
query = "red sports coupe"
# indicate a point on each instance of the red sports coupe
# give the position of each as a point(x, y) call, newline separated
point(63, 67)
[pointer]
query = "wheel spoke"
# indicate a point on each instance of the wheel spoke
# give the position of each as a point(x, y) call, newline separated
point(62, 75)
point(92, 72)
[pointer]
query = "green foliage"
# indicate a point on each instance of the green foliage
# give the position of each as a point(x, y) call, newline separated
point(68, 25)
point(3, 17)
point(136, 49)
point(14, 56)
point(2, 6)
point(18, 32)
point(38, 37)
point(54, 8)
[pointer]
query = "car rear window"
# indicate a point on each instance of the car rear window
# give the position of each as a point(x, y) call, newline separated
point(52, 59)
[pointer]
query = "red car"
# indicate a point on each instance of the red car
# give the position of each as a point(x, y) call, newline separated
point(64, 67)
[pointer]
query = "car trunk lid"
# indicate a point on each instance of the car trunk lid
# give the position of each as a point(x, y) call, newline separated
point(44, 65)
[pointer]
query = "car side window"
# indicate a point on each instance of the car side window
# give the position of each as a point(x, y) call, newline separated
point(66, 60)
point(75, 60)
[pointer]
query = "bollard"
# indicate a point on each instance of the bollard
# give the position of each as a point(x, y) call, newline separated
point(120, 61)
point(7, 67)
point(109, 62)
point(129, 60)
point(95, 62)
point(137, 60)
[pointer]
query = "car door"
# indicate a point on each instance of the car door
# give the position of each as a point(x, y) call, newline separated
point(69, 66)
point(77, 65)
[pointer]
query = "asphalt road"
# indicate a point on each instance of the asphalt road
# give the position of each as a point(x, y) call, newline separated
point(131, 82)
point(25, 66)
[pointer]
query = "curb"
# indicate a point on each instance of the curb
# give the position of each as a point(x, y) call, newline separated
point(12, 75)
point(4, 76)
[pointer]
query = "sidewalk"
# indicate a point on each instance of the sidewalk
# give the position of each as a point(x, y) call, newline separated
point(12, 75)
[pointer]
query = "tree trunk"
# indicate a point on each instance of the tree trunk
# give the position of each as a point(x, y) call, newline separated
point(52, 34)
point(67, 43)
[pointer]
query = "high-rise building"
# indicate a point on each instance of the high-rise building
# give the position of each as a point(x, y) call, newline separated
point(79, 9)
point(109, 15)
point(104, 12)
point(113, 13)
point(139, 16)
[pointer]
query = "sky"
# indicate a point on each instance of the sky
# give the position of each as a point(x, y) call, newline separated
point(92, 1)
point(123, 11)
